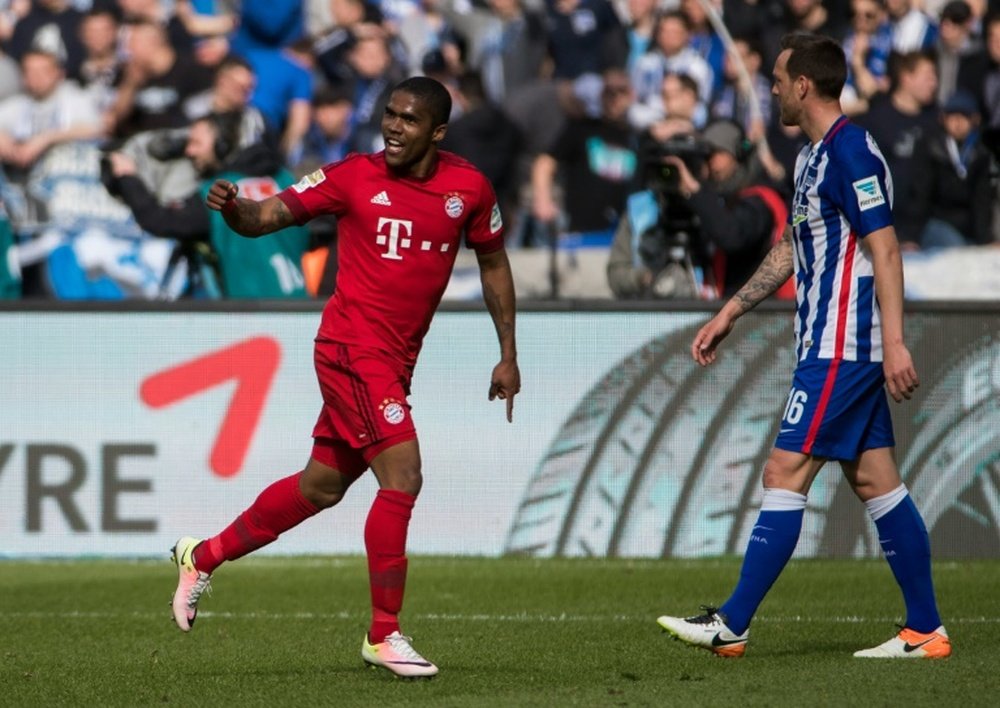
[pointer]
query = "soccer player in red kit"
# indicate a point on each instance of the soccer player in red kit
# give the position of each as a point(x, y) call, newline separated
point(402, 214)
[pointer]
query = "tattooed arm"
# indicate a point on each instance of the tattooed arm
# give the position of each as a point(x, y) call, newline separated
point(770, 275)
point(498, 292)
point(248, 217)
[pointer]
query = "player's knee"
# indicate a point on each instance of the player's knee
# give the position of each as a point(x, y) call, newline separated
point(775, 476)
point(405, 478)
point(322, 488)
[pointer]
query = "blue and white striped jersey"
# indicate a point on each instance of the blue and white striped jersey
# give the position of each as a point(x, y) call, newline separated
point(843, 192)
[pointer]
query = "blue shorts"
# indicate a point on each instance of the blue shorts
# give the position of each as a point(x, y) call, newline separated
point(836, 409)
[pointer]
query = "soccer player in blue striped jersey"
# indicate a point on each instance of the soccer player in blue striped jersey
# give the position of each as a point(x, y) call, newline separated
point(842, 248)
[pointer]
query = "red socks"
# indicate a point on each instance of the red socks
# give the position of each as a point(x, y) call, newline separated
point(385, 540)
point(278, 508)
point(282, 506)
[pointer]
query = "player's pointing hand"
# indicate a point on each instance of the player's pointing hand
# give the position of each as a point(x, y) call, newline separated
point(505, 384)
point(219, 193)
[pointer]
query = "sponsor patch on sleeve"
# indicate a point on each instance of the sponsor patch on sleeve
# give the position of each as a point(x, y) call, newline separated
point(309, 181)
point(496, 221)
point(869, 193)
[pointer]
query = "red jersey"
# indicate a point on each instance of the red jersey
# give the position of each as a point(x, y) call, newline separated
point(397, 238)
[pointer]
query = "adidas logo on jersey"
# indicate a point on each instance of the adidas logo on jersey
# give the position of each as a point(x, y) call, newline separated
point(381, 198)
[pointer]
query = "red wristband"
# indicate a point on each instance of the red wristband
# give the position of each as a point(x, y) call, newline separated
point(228, 207)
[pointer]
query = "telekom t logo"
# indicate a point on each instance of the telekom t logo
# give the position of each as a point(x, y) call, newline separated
point(394, 238)
point(253, 363)
point(400, 235)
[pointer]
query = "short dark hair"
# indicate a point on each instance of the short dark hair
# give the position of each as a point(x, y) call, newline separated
point(820, 59)
point(431, 92)
point(906, 63)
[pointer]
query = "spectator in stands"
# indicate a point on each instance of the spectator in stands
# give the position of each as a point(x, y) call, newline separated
point(101, 69)
point(429, 30)
point(979, 73)
point(373, 73)
point(50, 110)
point(951, 179)
point(748, 18)
point(642, 20)
point(234, 85)
point(51, 26)
point(698, 236)
point(283, 92)
point(736, 98)
point(800, 16)
point(507, 43)
point(158, 13)
point(954, 43)
point(912, 29)
point(352, 18)
point(267, 25)
point(705, 40)
point(899, 121)
point(10, 76)
point(585, 37)
point(206, 20)
point(159, 84)
point(486, 137)
point(867, 46)
point(248, 268)
point(595, 161)
point(671, 53)
point(327, 138)
point(678, 109)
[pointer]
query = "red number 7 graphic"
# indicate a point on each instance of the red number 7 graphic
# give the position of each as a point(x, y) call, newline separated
point(253, 364)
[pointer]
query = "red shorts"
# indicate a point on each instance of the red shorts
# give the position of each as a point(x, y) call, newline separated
point(364, 410)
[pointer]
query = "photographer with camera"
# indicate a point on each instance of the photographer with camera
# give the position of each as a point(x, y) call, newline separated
point(247, 268)
point(696, 237)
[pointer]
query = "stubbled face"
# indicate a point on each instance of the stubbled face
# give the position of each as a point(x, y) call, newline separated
point(409, 133)
point(785, 90)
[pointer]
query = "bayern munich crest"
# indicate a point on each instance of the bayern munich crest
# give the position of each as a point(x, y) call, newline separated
point(393, 411)
point(454, 206)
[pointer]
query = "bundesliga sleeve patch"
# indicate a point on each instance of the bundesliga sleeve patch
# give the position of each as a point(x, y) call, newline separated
point(869, 193)
point(496, 221)
point(309, 181)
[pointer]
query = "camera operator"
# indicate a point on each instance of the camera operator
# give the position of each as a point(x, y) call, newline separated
point(697, 237)
point(248, 268)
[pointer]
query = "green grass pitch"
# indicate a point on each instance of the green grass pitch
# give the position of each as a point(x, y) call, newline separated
point(505, 632)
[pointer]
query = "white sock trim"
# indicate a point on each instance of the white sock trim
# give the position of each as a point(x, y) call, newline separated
point(775, 499)
point(882, 505)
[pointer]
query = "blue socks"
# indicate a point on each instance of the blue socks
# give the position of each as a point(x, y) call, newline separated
point(907, 548)
point(771, 544)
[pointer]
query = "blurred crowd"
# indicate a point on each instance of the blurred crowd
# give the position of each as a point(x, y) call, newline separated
point(639, 130)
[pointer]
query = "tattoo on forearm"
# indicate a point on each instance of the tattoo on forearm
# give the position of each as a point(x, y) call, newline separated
point(247, 217)
point(244, 217)
point(775, 269)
